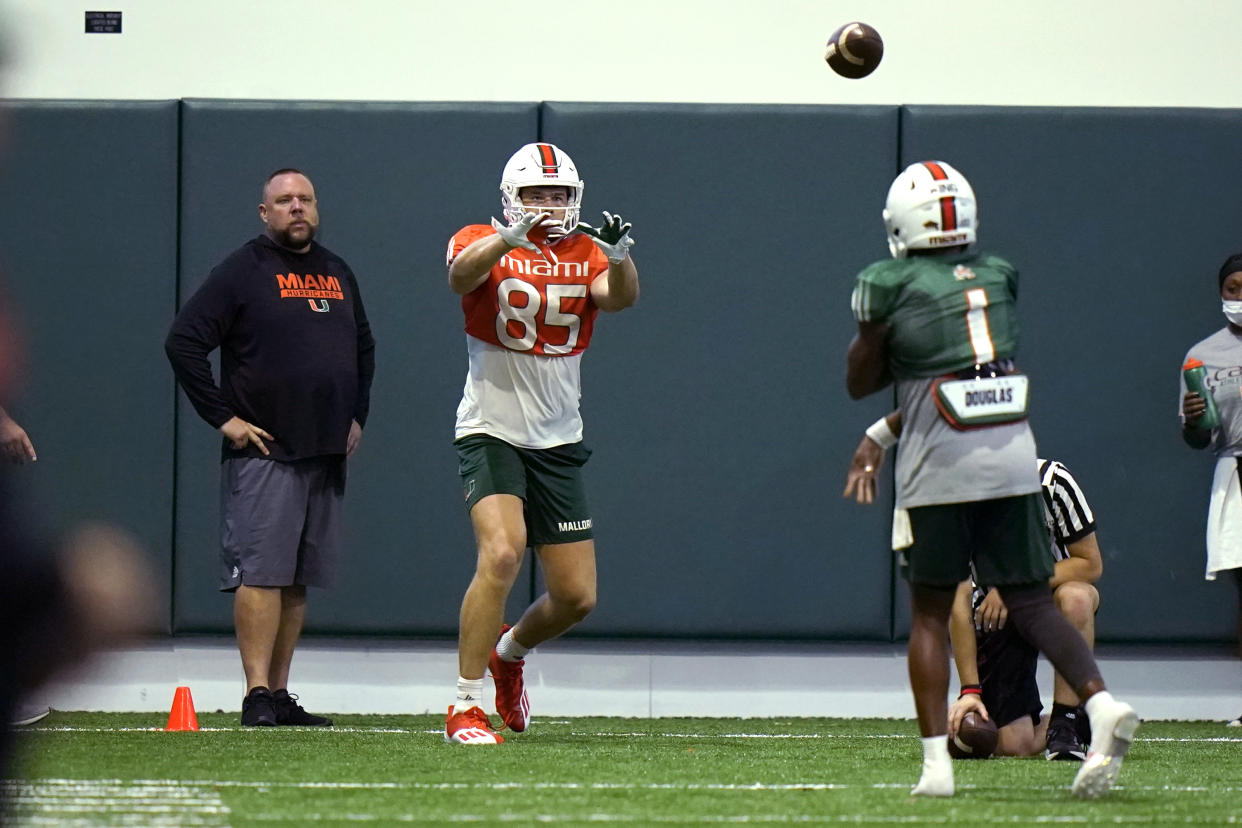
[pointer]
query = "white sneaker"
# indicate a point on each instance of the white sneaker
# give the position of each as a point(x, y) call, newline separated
point(1234, 722)
point(937, 780)
point(1113, 730)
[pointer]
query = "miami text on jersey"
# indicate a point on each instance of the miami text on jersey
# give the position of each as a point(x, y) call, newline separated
point(539, 267)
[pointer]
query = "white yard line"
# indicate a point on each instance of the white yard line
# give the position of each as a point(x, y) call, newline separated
point(156, 803)
point(632, 734)
point(68, 803)
point(140, 785)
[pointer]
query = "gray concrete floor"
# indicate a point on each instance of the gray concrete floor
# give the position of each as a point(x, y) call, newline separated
point(640, 679)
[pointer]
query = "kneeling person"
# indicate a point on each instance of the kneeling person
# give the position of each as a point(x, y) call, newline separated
point(997, 669)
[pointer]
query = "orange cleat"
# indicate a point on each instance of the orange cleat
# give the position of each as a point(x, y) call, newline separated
point(469, 727)
point(512, 705)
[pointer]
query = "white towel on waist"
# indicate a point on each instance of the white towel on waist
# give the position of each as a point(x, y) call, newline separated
point(1224, 527)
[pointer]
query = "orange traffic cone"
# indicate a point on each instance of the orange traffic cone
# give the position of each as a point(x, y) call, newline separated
point(182, 716)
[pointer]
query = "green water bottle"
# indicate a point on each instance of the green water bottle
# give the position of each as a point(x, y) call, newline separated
point(1196, 380)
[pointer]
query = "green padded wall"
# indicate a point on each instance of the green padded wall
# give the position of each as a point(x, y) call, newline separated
point(717, 406)
point(88, 249)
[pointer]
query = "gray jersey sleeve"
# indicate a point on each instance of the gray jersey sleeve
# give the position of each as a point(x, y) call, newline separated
point(1221, 354)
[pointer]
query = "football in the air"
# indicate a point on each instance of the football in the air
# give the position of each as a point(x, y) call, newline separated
point(854, 50)
point(976, 738)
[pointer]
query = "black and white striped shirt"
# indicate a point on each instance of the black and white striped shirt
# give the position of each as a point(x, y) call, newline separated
point(1068, 512)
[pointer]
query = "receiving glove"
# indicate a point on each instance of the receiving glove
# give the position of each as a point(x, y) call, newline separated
point(612, 237)
point(515, 234)
point(555, 230)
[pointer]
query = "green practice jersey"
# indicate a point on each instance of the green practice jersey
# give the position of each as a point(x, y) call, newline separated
point(945, 312)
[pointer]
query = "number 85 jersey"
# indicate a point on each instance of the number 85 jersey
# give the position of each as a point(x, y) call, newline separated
point(532, 304)
point(527, 325)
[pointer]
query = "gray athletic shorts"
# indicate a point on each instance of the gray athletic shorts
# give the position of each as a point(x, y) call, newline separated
point(280, 522)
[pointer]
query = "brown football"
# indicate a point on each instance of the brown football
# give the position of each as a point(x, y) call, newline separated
point(976, 738)
point(854, 50)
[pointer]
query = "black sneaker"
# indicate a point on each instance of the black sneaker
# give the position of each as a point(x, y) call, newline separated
point(1083, 725)
point(258, 709)
point(289, 712)
point(1063, 741)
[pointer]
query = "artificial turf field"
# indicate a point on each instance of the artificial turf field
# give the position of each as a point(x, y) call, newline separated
point(123, 769)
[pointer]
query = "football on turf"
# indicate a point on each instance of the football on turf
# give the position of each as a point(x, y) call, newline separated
point(976, 738)
point(854, 50)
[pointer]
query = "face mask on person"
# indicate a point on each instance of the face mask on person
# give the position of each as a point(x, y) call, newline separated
point(1233, 311)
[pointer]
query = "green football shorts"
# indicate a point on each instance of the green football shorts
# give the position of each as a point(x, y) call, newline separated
point(1008, 539)
point(549, 481)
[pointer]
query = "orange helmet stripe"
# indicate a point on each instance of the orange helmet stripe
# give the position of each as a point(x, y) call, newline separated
point(948, 204)
point(547, 159)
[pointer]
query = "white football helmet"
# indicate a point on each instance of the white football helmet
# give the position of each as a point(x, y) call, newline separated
point(929, 205)
point(540, 165)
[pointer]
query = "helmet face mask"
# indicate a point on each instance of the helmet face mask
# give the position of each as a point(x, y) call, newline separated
point(541, 165)
point(930, 205)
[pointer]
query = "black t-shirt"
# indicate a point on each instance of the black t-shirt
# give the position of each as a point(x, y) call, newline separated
point(296, 352)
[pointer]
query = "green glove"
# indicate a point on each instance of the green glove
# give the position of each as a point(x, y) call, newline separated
point(612, 237)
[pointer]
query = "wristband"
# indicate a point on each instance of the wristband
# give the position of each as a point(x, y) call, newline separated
point(882, 433)
point(970, 690)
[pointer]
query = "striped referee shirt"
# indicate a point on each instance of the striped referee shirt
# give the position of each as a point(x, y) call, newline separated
point(1065, 505)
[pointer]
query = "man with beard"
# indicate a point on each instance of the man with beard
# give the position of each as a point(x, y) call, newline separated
point(296, 362)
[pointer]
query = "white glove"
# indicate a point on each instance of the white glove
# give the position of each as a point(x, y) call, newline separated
point(612, 237)
point(555, 230)
point(515, 234)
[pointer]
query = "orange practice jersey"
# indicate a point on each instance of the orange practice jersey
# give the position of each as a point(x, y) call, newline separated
point(532, 304)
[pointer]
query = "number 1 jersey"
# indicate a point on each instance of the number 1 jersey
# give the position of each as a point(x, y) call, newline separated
point(527, 325)
point(946, 313)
